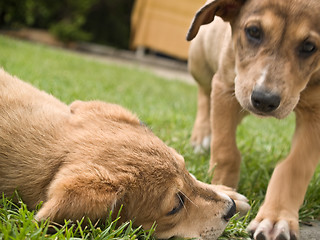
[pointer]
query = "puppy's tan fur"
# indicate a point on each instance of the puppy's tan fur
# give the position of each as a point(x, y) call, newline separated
point(93, 157)
point(270, 47)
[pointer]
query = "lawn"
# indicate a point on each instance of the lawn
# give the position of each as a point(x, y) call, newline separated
point(168, 108)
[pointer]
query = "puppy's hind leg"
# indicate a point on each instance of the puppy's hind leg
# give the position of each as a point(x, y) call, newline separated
point(200, 138)
point(201, 133)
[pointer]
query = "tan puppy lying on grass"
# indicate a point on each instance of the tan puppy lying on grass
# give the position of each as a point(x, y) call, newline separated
point(264, 58)
point(92, 157)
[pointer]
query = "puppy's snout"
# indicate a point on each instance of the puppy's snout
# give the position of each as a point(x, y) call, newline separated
point(231, 212)
point(265, 101)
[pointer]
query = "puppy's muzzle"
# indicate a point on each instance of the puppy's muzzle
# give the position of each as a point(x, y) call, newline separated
point(264, 101)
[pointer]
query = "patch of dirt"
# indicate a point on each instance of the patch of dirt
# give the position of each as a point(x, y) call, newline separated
point(310, 231)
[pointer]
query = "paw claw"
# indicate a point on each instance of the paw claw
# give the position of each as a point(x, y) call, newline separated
point(293, 237)
point(281, 237)
point(260, 236)
point(282, 231)
point(263, 229)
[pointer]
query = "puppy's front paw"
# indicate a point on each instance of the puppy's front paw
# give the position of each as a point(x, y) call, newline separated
point(241, 201)
point(274, 229)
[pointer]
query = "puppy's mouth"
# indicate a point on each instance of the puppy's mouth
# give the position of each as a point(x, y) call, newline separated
point(231, 212)
point(260, 114)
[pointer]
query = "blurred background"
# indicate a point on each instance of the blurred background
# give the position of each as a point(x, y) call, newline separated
point(144, 26)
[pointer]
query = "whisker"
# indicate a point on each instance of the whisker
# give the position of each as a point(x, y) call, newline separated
point(242, 110)
point(181, 200)
point(188, 198)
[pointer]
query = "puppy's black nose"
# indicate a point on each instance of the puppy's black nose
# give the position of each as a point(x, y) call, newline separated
point(231, 212)
point(265, 101)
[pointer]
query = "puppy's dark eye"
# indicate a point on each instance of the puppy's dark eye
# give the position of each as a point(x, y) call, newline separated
point(254, 34)
point(179, 206)
point(307, 48)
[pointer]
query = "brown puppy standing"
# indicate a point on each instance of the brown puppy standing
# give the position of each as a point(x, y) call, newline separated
point(264, 58)
point(93, 157)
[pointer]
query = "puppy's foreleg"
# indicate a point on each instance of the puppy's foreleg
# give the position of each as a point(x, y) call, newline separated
point(278, 216)
point(78, 193)
point(226, 114)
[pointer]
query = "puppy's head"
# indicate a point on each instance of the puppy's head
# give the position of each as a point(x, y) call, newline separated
point(115, 160)
point(276, 46)
point(166, 194)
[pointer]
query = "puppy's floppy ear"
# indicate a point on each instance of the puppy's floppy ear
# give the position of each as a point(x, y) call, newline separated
point(226, 9)
point(80, 193)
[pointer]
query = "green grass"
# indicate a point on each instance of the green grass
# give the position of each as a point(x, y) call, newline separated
point(168, 107)
point(17, 223)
